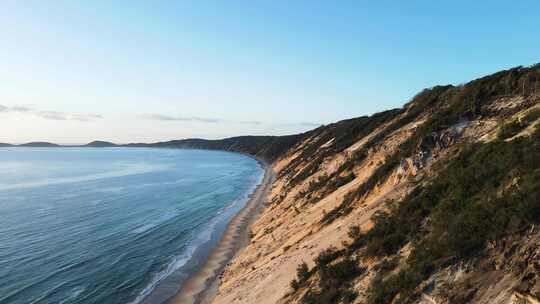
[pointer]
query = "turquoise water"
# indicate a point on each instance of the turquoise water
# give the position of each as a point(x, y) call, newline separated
point(110, 225)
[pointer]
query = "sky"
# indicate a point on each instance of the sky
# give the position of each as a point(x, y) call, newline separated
point(146, 71)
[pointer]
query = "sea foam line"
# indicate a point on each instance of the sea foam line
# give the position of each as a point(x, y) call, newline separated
point(201, 238)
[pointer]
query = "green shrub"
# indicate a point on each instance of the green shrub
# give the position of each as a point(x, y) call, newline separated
point(340, 135)
point(510, 129)
point(387, 265)
point(302, 275)
point(514, 126)
point(342, 271)
point(487, 191)
point(295, 284)
point(531, 116)
point(302, 272)
point(333, 284)
point(348, 296)
point(326, 256)
point(354, 232)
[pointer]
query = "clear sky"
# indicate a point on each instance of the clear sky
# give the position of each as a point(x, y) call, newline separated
point(143, 71)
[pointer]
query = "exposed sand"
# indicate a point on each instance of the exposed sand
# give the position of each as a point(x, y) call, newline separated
point(202, 287)
point(289, 233)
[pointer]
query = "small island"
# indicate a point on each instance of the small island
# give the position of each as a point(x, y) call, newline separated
point(39, 144)
point(100, 144)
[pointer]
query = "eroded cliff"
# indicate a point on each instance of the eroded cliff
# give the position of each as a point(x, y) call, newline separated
point(436, 202)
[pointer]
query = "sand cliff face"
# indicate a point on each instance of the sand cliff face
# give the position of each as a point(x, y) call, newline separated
point(341, 175)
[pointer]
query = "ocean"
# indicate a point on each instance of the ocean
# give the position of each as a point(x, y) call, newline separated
point(112, 225)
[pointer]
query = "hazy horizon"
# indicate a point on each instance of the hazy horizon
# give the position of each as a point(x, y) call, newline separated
point(76, 71)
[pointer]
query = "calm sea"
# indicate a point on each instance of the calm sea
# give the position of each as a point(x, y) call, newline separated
point(111, 225)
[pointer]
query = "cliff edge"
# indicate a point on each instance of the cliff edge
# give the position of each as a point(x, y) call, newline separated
point(435, 202)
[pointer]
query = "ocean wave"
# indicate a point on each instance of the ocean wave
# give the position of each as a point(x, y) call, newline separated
point(143, 228)
point(73, 294)
point(96, 202)
point(66, 267)
point(201, 238)
point(179, 261)
point(62, 234)
point(155, 222)
point(174, 265)
point(47, 294)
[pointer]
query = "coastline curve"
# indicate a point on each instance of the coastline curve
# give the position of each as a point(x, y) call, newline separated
point(201, 287)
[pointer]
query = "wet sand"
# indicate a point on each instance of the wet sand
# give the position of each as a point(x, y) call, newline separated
point(202, 287)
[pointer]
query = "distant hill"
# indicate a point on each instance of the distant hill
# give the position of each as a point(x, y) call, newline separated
point(100, 144)
point(39, 144)
point(267, 148)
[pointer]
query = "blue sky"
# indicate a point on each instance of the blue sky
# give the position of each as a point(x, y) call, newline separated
point(75, 71)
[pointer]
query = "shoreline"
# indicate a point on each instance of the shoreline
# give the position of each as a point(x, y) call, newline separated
point(202, 287)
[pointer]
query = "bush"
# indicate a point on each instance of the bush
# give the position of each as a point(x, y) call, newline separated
point(531, 116)
point(342, 271)
point(445, 105)
point(348, 296)
point(302, 275)
point(295, 284)
point(354, 232)
point(326, 256)
point(513, 127)
point(302, 272)
point(510, 129)
point(334, 283)
point(387, 265)
point(487, 191)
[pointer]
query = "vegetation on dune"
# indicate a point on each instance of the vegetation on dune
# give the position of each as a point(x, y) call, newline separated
point(332, 274)
point(333, 139)
point(267, 148)
point(510, 129)
point(337, 137)
point(324, 185)
point(531, 116)
point(446, 105)
point(514, 126)
point(330, 287)
point(336, 179)
point(487, 191)
point(425, 100)
point(302, 275)
point(443, 106)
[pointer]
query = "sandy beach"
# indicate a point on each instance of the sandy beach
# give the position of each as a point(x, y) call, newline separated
point(202, 286)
